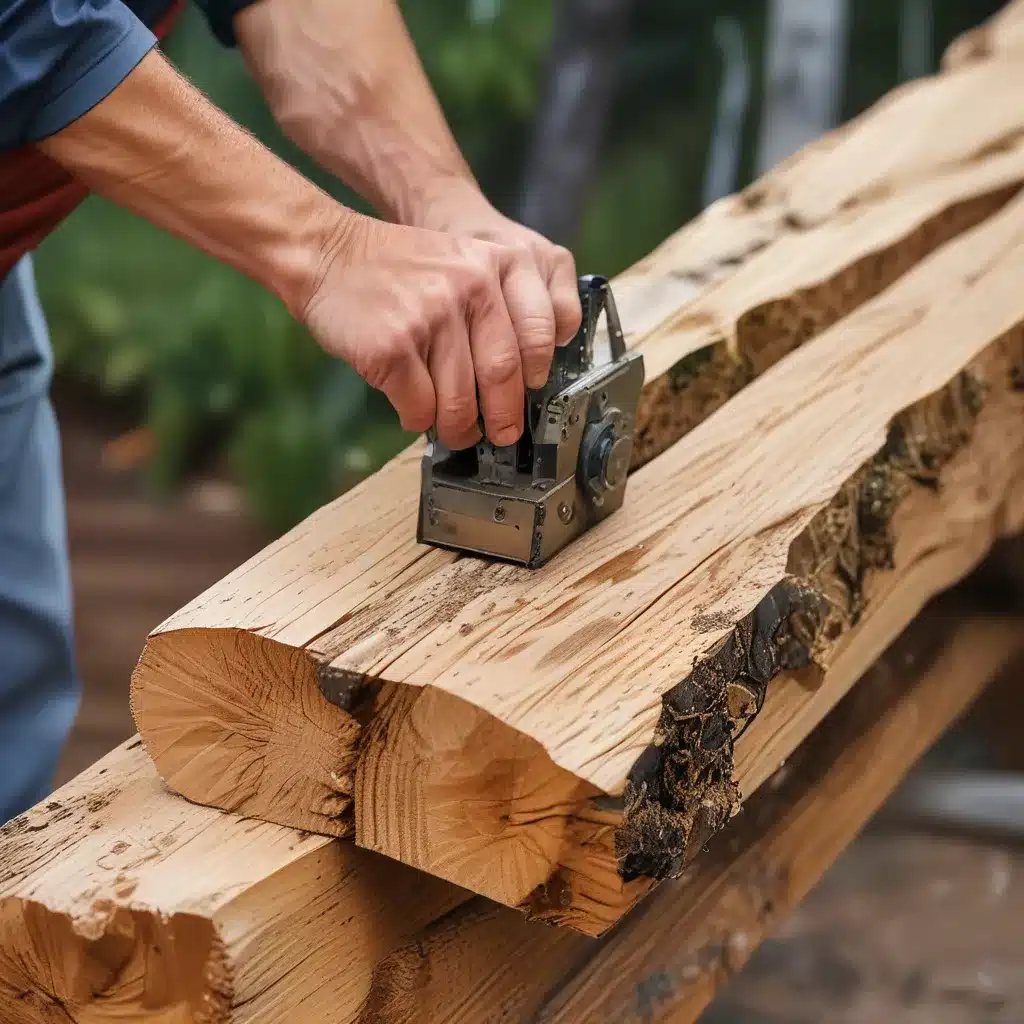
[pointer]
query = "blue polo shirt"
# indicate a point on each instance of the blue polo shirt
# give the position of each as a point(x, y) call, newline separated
point(59, 58)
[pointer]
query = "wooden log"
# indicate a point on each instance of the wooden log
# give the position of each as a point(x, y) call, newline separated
point(991, 457)
point(667, 961)
point(121, 901)
point(471, 719)
point(1001, 36)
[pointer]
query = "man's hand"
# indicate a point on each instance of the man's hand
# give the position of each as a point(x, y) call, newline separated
point(428, 318)
point(432, 320)
point(464, 211)
point(343, 79)
point(431, 317)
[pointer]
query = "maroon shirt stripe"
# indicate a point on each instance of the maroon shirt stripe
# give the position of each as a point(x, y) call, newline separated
point(36, 193)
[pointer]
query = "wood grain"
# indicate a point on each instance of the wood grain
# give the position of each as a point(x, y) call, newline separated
point(699, 930)
point(528, 846)
point(119, 900)
point(481, 714)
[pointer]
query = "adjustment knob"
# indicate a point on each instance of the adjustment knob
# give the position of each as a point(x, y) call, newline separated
point(606, 457)
point(616, 462)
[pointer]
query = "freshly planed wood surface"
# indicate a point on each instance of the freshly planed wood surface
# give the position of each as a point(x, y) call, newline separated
point(121, 901)
point(479, 713)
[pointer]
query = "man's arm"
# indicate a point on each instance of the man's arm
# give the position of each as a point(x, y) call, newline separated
point(420, 314)
point(156, 146)
point(345, 82)
point(343, 76)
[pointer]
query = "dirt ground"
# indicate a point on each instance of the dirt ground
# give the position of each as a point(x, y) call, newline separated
point(906, 927)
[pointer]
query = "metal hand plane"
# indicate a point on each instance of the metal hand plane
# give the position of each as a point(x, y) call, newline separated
point(525, 501)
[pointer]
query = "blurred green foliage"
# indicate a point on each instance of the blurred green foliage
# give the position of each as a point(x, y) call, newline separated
point(222, 370)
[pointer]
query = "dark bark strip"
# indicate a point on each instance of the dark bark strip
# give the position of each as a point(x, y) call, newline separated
point(681, 790)
point(579, 91)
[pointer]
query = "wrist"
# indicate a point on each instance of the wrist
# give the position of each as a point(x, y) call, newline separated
point(334, 241)
point(449, 203)
point(314, 232)
point(350, 91)
point(190, 170)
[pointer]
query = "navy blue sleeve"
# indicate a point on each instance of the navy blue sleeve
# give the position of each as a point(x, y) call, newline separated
point(220, 15)
point(59, 58)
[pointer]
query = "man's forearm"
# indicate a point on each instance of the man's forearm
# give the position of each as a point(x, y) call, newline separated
point(431, 320)
point(344, 80)
point(156, 146)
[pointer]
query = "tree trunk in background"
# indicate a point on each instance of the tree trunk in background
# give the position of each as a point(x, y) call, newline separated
point(916, 33)
point(805, 63)
point(575, 104)
point(722, 174)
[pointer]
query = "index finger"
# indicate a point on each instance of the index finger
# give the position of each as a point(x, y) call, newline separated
point(529, 304)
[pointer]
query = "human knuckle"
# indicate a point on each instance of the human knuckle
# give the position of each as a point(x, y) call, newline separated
point(494, 256)
point(563, 257)
point(408, 339)
point(458, 411)
point(392, 353)
point(450, 292)
point(480, 278)
point(377, 375)
point(443, 295)
point(521, 251)
point(499, 367)
point(536, 329)
point(563, 254)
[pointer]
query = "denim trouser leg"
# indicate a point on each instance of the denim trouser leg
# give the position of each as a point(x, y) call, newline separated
point(39, 689)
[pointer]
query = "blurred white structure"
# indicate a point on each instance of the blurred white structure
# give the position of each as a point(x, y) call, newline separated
point(723, 168)
point(916, 39)
point(805, 66)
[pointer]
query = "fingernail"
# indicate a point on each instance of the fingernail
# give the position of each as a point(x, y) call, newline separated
point(457, 442)
point(508, 435)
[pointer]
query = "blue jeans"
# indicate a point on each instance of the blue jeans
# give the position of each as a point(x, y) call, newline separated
point(39, 689)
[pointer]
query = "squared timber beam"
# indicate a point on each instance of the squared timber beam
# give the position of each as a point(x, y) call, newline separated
point(831, 432)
